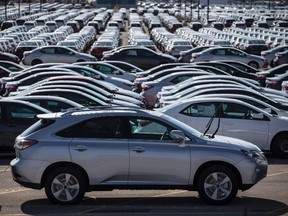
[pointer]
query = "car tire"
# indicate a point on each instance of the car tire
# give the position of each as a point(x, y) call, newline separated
point(280, 146)
point(254, 64)
point(65, 185)
point(218, 191)
point(36, 61)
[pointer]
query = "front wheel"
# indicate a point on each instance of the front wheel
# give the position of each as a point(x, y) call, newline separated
point(65, 185)
point(254, 64)
point(280, 146)
point(217, 185)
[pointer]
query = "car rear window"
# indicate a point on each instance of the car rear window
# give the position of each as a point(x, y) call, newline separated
point(42, 123)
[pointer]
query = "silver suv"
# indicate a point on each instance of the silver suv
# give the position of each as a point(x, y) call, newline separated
point(110, 148)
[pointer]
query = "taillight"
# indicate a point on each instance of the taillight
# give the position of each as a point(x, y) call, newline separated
point(195, 55)
point(146, 87)
point(285, 86)
point(23, 144)
point(260, 77)
point(264, 54)
point(10, 88)
point(271, 84)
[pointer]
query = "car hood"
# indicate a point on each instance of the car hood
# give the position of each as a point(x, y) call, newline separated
point(233, 143)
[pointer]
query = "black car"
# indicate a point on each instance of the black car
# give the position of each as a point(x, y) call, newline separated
point(15, 117)
point(141, 57)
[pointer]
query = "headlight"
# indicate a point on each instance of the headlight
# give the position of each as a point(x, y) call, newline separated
point(256, 155)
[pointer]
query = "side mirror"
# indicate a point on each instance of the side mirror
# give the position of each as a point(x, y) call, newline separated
point(116, 72)
point(178, 136)
point(258, 116)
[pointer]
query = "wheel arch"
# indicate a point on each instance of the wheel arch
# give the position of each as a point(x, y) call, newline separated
point(63, 164)
point(211, 163)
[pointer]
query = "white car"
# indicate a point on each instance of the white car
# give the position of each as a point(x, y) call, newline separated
point(151, 88)
point(54, 54)
point(234, 118)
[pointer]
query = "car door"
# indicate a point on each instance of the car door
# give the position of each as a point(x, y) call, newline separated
point(154, 158)
point(100, 146)
point(238, 122)
point(63, 55)
point(14, 119)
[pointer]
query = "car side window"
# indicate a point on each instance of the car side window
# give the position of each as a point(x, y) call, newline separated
point(22, 112)
point(48, 50)
point(145, 53)
point(131, 53)
point(237, 111)
point(95, 128)
point(218, 52)
point(180, 79)
point(200, 110)
point(144, 128)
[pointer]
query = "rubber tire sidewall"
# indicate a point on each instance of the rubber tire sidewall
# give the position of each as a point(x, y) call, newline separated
point(36, 61)
point(217, 168)
point(61, 170)
point(275, 146)
point(252, 63)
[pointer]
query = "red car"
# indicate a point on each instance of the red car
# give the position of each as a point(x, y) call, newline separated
point(9, 57)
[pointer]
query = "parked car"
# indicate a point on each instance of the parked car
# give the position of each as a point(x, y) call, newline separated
point(16, 116)
point(263, 75)
point(51, 103)
point(27, 46)
point(185, 56)
point(269, 55)
point(54, 54)
point(109, 69)
point(225, 53)
point(11, 66)
point(280, 58)
point(117, 157)
point(276, 82)
point(151, 88)
point(9, 57)
point(141, 57)
point(233, 118)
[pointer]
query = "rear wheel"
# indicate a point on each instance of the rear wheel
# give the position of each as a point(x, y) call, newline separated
point(36, 61)
point(217, 185)
point(65, 185)
point(280, 146)
point(254, 64)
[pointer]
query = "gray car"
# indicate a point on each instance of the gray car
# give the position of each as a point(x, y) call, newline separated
point(54, 54)
point(109, 148)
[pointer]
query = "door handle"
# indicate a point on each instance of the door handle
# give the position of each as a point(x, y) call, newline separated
point(138, 149)
point(80, 148)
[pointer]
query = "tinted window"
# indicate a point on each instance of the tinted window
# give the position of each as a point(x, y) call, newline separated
point(95, 128)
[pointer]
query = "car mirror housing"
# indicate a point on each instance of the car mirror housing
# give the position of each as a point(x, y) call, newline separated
point(178, 136)
point(259, 116)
